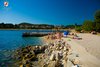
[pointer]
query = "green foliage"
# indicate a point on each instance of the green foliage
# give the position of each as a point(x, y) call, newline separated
point(78, 28)
point(88, 25)
point(97, 20)
point(97, 15)
point(70, 26)
point(25, 25)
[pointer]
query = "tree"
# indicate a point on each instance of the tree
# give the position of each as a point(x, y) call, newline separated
point(88, 25)
point(78, 28)
point(97, 20)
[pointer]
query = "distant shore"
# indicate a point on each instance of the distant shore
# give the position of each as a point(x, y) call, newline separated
point(33, 29)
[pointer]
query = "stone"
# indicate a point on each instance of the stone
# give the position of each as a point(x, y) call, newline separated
point(36, 47)
point(65, 48)
point(52, 57)
point(60, 47)
point(50, 47)
point(27, 65)
point(64, 63)
point(46, 51)
point(64, 55)
point(23, 61)
point(52, 64)
point(57, 56)
point(60, 53)
point(21, 65)
point(26, 55)
point(40, 47)
point(75, 61)
point(45, 65)
point(57, 48)
point(58, 63)
point(32, 52)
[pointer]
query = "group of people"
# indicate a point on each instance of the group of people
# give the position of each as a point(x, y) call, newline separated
point(59, 35)
point(56, 35)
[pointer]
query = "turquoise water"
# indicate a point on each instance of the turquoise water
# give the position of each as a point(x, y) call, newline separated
point(11, 40)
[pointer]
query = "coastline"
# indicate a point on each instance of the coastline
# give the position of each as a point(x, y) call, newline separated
point(43, 55)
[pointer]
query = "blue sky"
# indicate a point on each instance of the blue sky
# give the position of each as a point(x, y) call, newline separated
point(59, 12)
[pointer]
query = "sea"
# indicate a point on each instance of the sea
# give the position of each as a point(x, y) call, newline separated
point(11, 40)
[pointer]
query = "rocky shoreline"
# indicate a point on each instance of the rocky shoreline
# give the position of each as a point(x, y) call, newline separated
point(64, 52)
point(55, 54)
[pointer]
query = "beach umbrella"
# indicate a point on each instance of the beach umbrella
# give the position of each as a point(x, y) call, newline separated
point(66, 33)
point(6, 4)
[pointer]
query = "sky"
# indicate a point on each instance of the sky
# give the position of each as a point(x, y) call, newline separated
point(57, 12)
